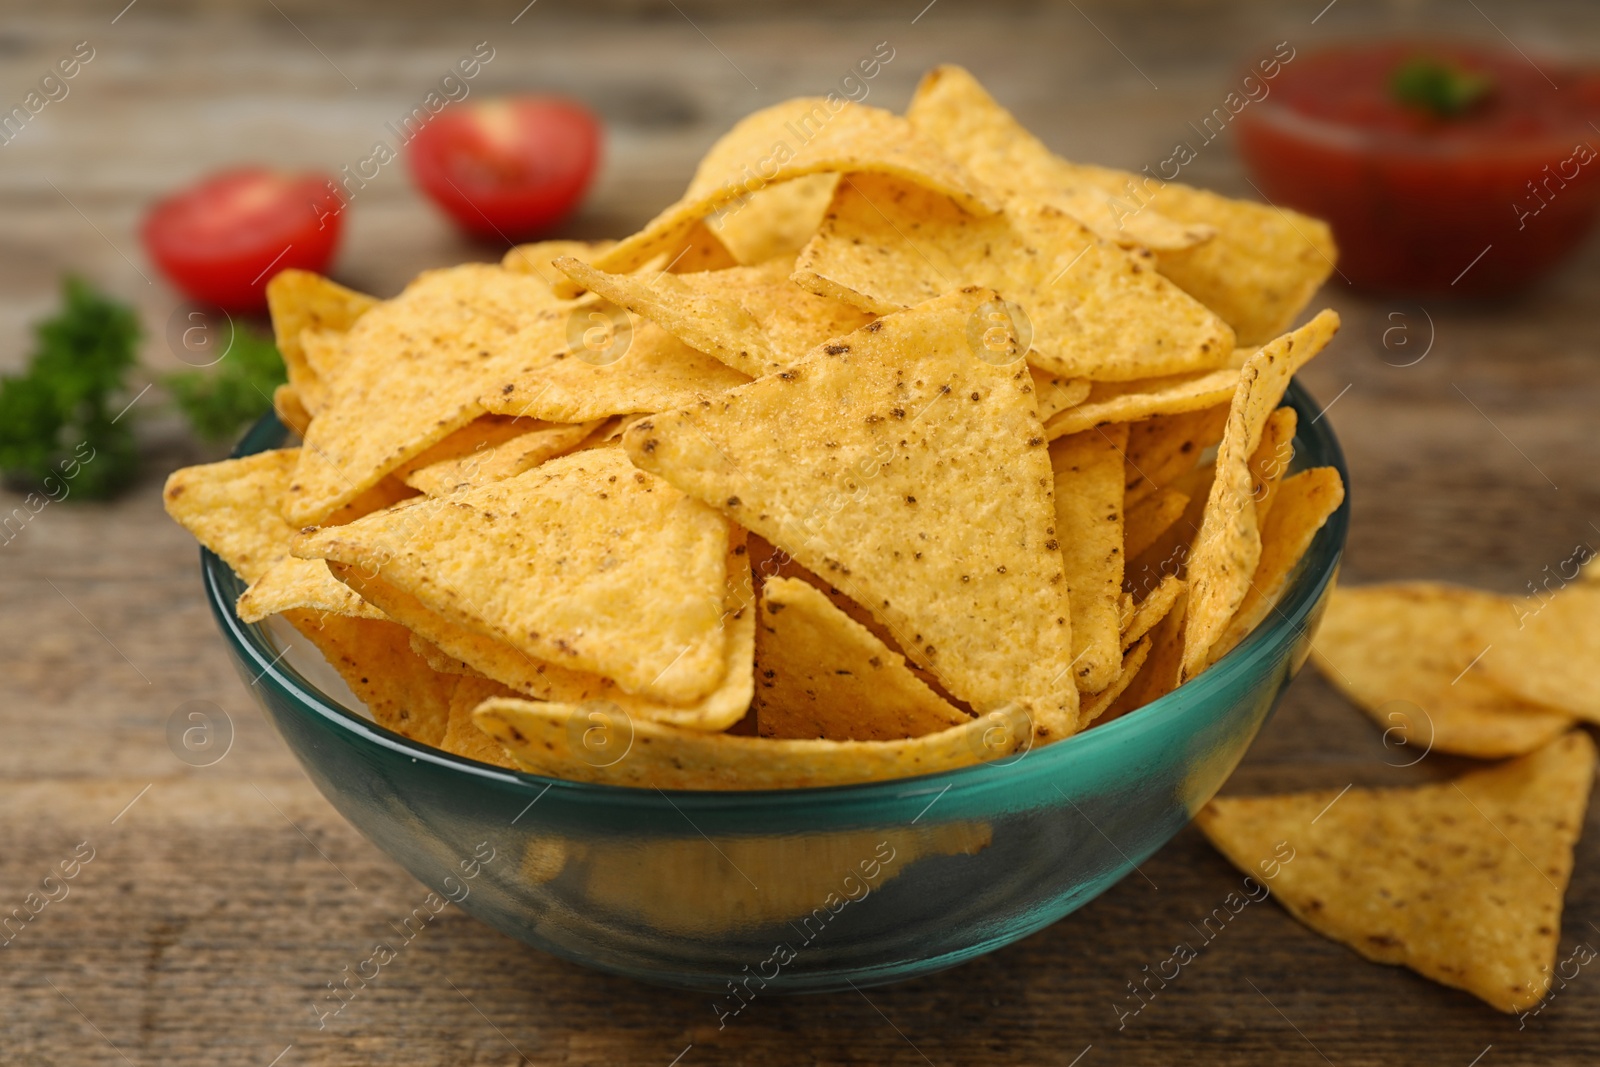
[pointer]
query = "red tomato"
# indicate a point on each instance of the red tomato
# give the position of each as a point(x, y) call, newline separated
point(507, 168)
point(222, 240)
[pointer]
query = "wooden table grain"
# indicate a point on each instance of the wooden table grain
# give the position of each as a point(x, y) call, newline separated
point(219, 901)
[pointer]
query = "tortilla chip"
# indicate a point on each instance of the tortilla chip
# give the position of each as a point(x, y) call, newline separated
point(776, 221)
point(1096, 310)
point(291, 584)
point(438, 660)
point(754, 319)
point(1097, 704)
point(651, 371)
point(229, 508)
point(375, 659)
point(1112, 402)
point(1402, 653)
point(953, 109)
point(1228, 547)
point(1088, 492)
point(1141, 616)
point(495, 462)
point(693, 886)
point(1165, 448)
point(414, 368)
point(1461, 881)
point(847, 463)
point(807, 135)
point(820, 674)
point(1159, 675)
point(1151, 517)
point(291, 411)
point(561, 740)
point(698, 249)
point(1258, 269)
point(1053, 393)
point(720, 710)
point(298, 301)
point(462, 736)
point(584, 562)
point(1553, 657)
point(538, 258)
point(1305, 502)
point(1271, 459)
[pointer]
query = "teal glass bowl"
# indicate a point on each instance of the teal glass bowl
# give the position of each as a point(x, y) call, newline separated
point(740, 894)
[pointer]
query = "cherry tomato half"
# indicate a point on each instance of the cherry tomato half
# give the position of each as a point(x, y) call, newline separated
point(222, 240)
point(507, 168)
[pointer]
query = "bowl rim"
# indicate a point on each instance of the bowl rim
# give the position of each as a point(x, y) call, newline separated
point(1314, 438)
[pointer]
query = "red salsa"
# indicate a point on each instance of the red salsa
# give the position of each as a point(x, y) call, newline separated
point(1443, 168)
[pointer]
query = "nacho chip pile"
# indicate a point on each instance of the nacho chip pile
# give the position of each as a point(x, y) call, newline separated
point(886, 449)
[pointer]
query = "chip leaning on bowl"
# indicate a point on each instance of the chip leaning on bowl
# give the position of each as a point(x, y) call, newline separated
point(883, 499)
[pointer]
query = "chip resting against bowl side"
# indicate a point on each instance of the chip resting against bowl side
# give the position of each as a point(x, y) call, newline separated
point(884, 450)
point(1462, 881)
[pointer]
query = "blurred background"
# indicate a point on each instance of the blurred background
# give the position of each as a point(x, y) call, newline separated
point(210, 918)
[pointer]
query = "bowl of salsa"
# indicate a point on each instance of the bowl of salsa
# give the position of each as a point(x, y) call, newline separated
point(1443, 168)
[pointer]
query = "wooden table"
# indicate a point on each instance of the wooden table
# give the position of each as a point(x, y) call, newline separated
point(221, 900)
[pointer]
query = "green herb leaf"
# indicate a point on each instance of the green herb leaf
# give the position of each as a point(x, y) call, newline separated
point(1442, 89)
point(57, 417)
point(223, 400)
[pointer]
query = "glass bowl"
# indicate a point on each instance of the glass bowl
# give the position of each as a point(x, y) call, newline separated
point(741, 894)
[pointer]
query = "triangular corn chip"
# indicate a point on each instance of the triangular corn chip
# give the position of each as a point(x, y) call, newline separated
point(597, 743)
point(1112, 402)
point(375, 660)
point(1097, 704)
point(414, 368)
point(538, 258)
point(1142, 616)
point(1229, 544)
point(1088, 492)
point(1151, 517)
point(1271, 460)
point(1405, 654)
point(952, 108)
point(462, 736)
point(845, 463)
point(1304, 502)
point(821, 674)
point(495, 461)
point(1164, 448)
point(231, 507)
point(453, 649)
point(621, 365)
point(754, 319)
point(299, 300)
point(1461, 881)
point(1553, 657)
point(584, 562)
point(1096, 311)
point(807, 135)
point(776, 221)
point(1258, 268)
